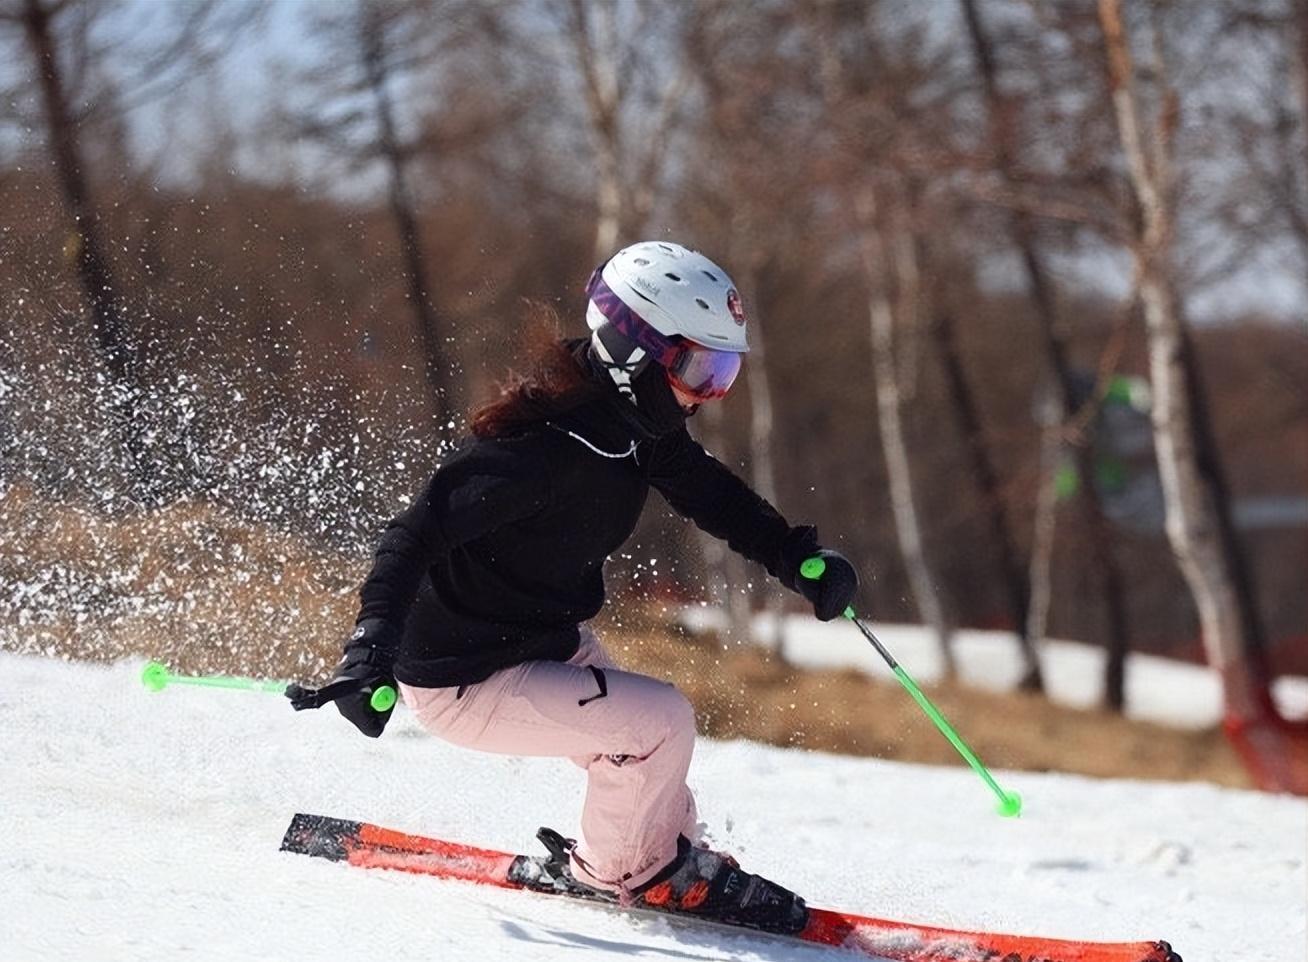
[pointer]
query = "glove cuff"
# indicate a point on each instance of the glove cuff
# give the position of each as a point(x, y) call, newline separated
point(376, 634)
point(799, 545)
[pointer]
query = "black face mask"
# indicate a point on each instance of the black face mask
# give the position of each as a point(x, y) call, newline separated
point(656, 411)
point(656, 402)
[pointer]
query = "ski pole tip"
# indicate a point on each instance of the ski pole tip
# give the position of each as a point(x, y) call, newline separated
point(1011, 806)
point(154, 676)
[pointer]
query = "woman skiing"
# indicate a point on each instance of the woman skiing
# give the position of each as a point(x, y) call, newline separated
point(479, 597)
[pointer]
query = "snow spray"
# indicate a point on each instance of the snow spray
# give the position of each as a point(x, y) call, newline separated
point(1010, 803)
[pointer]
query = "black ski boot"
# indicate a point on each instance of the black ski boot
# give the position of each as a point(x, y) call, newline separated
point(709, 885)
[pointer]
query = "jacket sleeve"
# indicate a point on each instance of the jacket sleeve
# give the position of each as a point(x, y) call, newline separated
point(701, 488)
point(463, 501)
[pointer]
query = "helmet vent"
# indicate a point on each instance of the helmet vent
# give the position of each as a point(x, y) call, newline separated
point(703, 303)
point(711, 276)
point(642, 261)
point(672, 277)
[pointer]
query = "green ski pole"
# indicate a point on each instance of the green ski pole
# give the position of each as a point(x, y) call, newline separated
point(1010, 803)
point(157, 677)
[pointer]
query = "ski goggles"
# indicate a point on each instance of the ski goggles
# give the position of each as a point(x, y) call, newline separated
point(702, 373)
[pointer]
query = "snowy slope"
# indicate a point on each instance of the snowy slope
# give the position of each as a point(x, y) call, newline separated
point(141, 826)
point(1158, 689)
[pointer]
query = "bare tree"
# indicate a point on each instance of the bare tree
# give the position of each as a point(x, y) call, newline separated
point(1198, 522)
point(726, 568)
point(727, 156)
point(41, 21)
point(1264, 196)
point(82, 79)
point(875, 225)
point(374, 52)
point(624, 54)
point(1022, 228)
point(762, 424)
point(883, 149)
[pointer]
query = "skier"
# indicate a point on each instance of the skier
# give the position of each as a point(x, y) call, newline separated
point(479, 598)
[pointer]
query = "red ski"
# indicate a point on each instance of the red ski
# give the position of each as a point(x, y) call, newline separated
point(371, 846)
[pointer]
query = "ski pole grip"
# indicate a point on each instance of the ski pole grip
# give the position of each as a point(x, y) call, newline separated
point(813, 568)
point(383, 699)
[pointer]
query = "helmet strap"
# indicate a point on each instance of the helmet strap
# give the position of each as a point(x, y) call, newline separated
point(621, 357)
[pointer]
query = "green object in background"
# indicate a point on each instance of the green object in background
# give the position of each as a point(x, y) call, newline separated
point(1110, 475)
point(1118, 391)
point(1010, 803)
point(157, 677)
point(1066, 482)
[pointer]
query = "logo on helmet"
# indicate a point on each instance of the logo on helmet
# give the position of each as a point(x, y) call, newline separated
point(645, 285)
point(735, 307)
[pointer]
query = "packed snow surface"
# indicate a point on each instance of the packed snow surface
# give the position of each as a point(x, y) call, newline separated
point(141, 826)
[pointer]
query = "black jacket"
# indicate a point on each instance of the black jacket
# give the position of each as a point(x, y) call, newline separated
point(501, 556)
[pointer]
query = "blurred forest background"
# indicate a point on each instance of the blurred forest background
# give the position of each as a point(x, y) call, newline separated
point(1027, 280)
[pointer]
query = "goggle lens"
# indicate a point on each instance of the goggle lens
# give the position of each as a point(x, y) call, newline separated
point(704, 373)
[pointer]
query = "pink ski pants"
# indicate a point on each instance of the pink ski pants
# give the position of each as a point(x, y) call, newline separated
point(632, 734)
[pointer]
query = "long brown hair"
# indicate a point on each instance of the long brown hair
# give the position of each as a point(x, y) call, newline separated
point(555, 380)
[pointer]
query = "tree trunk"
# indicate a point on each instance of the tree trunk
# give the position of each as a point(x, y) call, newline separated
point(763, 474)
point(890, 418)
point(726, 568)
point(1198, 533)
point(1301, 35)
point(597, 63)
point(1298, 215)
point(437, 369)
point(1046, 519)
point(987, 479)
point(99, 285)
point(1022, 231)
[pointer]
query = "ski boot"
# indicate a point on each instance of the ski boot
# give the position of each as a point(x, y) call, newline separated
point(710, 885)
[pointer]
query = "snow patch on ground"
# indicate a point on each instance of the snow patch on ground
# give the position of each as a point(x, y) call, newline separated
point(143, 827)
point(1157, 689)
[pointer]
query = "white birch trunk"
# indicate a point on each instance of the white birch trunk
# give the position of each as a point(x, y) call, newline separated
point(628, 162)
point(596, 50)
point(1192, 524)
point(890, 419)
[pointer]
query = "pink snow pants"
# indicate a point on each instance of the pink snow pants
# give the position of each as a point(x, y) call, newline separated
point(632, 734)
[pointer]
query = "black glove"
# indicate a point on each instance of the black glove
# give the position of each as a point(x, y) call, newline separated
point(832, 591)
point(365, 667)
point(372, 668)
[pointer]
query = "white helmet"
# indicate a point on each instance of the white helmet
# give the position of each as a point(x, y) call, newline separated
point(664, 302)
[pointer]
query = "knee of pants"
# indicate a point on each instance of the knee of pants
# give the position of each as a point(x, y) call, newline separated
point(672, 718)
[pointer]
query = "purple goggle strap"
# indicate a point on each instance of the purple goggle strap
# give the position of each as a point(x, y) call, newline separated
point(660, 347)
